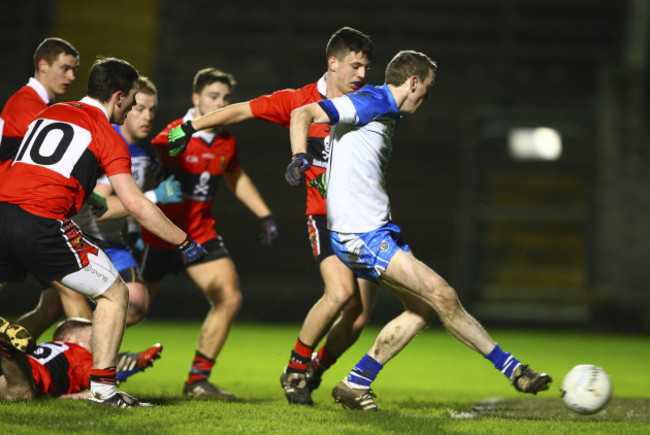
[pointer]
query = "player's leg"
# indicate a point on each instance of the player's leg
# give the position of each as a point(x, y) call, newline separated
point(344, 332)
point(407, 273)
point(75, 305)
point(17, 381)
point(55, 302)
point(341, 290)
point(138, 303)
point(125, 263)
point(46, 313)
point(354, 391)
point(101, 282)
point(218, 280)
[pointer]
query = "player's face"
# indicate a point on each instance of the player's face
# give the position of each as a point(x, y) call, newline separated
point(417, 97)
point(212, 97)
point(348, 73)
point(124, 105)
point(58, 76)
point(139, 120)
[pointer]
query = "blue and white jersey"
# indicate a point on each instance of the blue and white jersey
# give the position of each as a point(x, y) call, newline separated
point(361, 145)
point(112, 230)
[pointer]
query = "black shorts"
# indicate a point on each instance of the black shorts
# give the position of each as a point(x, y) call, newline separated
point(157, 262)
point(319, 237)
point(49, 249)
point(131, 274)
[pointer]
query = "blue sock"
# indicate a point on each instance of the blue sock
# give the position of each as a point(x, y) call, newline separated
point(503, 361)
point(365, 372)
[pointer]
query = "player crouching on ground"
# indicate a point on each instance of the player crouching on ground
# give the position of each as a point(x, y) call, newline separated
point(60, 368)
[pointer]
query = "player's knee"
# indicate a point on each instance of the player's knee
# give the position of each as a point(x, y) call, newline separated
point(340, 296)
point(445, 300)
point(226, 298)
point(117, 293)
point(135, 314)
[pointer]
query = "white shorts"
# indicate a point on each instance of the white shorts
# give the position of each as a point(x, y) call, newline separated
point(94, 279)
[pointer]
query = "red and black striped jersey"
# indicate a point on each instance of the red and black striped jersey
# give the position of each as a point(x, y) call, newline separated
point(60, 368)
point(19, 111)
point(60, 158)
point(277, 108)
point(199, 169)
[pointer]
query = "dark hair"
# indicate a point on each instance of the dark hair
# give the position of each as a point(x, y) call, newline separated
point(146, 86)
point(409, 63)
point(110, 75)
point(347, 39)
point(50, 48)
point(207, 76)
point(70, 326)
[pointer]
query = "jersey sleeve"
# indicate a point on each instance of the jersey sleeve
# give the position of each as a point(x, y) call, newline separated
point(19, 112)
point(358, 108)
point(115, 158)
point(275, 107)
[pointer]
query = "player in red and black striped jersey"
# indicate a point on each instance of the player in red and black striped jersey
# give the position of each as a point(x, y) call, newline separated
point(56, 168)
point(55, 66)
point(348, 55)
point(211, 156)
point(61, 367)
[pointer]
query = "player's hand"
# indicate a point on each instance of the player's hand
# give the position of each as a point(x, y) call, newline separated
point(191, 251)
point(269, 230)
point(299, 164)
point(169, 191)
point(179, 137)
point(97, 204)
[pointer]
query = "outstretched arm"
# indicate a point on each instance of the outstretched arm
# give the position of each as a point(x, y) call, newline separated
point(145, 211)
point(180, 136)
point(228, 115)
point(244, 189)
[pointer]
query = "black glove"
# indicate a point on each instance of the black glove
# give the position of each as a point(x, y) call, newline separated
point(299, 164)
point(97, 204)
point(191, 251)
point(179, 137)
point(269, 230)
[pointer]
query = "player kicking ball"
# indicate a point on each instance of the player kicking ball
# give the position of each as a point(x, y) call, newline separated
point(368, 242)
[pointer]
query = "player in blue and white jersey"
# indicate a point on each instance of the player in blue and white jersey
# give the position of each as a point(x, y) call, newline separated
point(368, 242)
point(121, 233)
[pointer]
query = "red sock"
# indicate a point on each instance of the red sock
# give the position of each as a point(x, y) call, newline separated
point(300, 357)
point(201, 368)
point(323, 360)
point(103, 376)
point(6, 350)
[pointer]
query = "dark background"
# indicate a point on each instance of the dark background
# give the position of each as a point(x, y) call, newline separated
point(562, 243)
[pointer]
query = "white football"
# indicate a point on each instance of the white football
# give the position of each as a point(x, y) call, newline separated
point(586, 389)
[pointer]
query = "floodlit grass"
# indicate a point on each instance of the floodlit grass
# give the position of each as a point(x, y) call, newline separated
point(431, 387)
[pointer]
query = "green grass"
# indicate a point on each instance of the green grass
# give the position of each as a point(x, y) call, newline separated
point(429, 388)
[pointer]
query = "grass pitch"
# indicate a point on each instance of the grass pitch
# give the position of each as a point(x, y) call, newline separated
point(436, 385)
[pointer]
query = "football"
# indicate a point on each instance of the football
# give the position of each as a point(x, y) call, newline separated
point(586, 389)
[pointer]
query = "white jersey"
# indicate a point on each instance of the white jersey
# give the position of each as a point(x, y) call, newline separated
point(364, 121)
point(113, 230)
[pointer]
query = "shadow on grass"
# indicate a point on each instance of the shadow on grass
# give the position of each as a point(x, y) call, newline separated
point(623, 409)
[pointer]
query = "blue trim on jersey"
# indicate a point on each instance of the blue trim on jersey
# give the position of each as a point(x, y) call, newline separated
point(134, 149)
point(331, 111)
point(373, 102)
